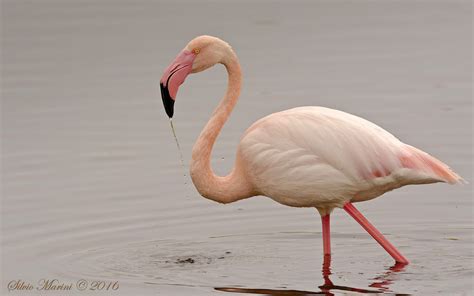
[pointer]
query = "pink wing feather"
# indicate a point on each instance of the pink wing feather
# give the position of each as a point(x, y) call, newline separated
point(421, 161)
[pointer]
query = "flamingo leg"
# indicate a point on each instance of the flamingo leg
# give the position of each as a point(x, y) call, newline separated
point(351, 210)
point(326, 234)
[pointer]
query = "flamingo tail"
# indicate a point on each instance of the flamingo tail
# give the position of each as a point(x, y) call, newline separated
point(422, 161)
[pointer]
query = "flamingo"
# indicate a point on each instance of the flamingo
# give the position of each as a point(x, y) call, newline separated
point(301, 157)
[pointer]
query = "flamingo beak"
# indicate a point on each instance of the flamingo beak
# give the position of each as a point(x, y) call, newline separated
point(173, 77)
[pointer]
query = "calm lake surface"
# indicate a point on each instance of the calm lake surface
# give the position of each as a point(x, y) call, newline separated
point(93, 189)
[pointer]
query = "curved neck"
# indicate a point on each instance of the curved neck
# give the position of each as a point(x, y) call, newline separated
point(233, 186)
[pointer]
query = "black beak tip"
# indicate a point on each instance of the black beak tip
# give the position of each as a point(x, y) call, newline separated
point(168, 102)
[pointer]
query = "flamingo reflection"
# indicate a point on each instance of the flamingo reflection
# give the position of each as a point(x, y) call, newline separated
point(381, 283)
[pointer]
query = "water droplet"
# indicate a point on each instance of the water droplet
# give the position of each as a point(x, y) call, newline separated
point(180, 155)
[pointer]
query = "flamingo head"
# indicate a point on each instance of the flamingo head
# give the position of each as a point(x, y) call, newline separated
point(200, 54)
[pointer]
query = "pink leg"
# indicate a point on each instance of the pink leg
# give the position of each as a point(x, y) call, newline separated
point(326, 234)
point(349, 207)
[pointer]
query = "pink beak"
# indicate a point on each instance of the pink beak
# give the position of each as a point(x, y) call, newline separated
point(173, 77)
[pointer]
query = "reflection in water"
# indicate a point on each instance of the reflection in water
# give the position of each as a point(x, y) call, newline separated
point(382, 283)
point(384, 280)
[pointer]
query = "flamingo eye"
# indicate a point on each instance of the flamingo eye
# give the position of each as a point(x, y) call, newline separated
point(196, 50)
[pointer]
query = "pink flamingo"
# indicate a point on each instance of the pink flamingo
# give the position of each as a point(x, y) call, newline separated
point(301, 157)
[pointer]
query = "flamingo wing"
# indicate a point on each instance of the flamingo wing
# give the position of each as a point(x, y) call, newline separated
point(314, 155)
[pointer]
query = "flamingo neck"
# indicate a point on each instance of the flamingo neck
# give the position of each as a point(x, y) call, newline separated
point(234, 186)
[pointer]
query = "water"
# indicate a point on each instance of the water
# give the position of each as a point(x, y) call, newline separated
point(92, 186)
point(181, 159)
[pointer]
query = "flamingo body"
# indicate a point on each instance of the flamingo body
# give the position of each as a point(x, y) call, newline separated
point(324, 158)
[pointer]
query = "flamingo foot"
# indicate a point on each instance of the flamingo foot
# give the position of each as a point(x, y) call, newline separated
point(351, 210)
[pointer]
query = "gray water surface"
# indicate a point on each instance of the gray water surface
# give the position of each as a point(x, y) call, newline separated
point(93, 189)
